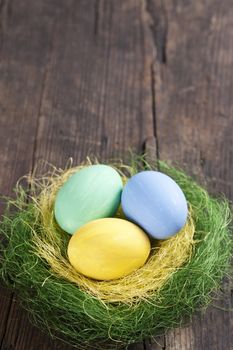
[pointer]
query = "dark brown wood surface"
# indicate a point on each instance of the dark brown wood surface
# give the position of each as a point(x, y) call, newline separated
point(100, 77)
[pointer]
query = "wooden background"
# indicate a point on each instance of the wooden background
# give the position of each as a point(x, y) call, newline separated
point(102, 76)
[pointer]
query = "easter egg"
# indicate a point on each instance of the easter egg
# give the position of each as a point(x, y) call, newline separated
point(109, 248)
point(91, 193)
point(156, 203)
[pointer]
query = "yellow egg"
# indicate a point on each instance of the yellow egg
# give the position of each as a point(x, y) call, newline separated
point(108, 248)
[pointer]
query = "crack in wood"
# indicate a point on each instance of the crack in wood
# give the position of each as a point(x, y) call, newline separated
point(157, 24)
point(159, 27)
point(164, 37)
point(96, 20)
point(2, 5)
point(7, 318)
point(2, 20)
point(149, 23)
point(46, 71)
point(154, 112)
point(5, 14)
point(164, 342)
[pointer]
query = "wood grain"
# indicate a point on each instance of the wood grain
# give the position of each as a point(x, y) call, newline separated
point(81, 77)
point(21, 81)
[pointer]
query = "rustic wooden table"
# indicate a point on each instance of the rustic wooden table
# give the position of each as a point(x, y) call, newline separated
point(102, 76)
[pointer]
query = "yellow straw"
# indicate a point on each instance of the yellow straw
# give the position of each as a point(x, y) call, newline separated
point(165, 259)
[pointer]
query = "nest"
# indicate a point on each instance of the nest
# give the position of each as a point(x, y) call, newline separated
point(179, 276)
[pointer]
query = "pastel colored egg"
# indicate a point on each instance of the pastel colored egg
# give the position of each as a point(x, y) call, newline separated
point(109, 248)
point(93, 192)
point(156, 203)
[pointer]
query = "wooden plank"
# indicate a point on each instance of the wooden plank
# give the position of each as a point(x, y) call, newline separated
point(194, 120)
point(23, 58)
point(21, 82)
point(96, 99)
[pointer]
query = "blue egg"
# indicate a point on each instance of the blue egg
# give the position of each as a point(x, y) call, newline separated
point(156, 203)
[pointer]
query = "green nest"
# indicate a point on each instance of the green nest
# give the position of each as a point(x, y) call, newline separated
point(84, 321)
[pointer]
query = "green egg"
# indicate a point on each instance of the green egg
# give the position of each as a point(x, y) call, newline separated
point(93, 192)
